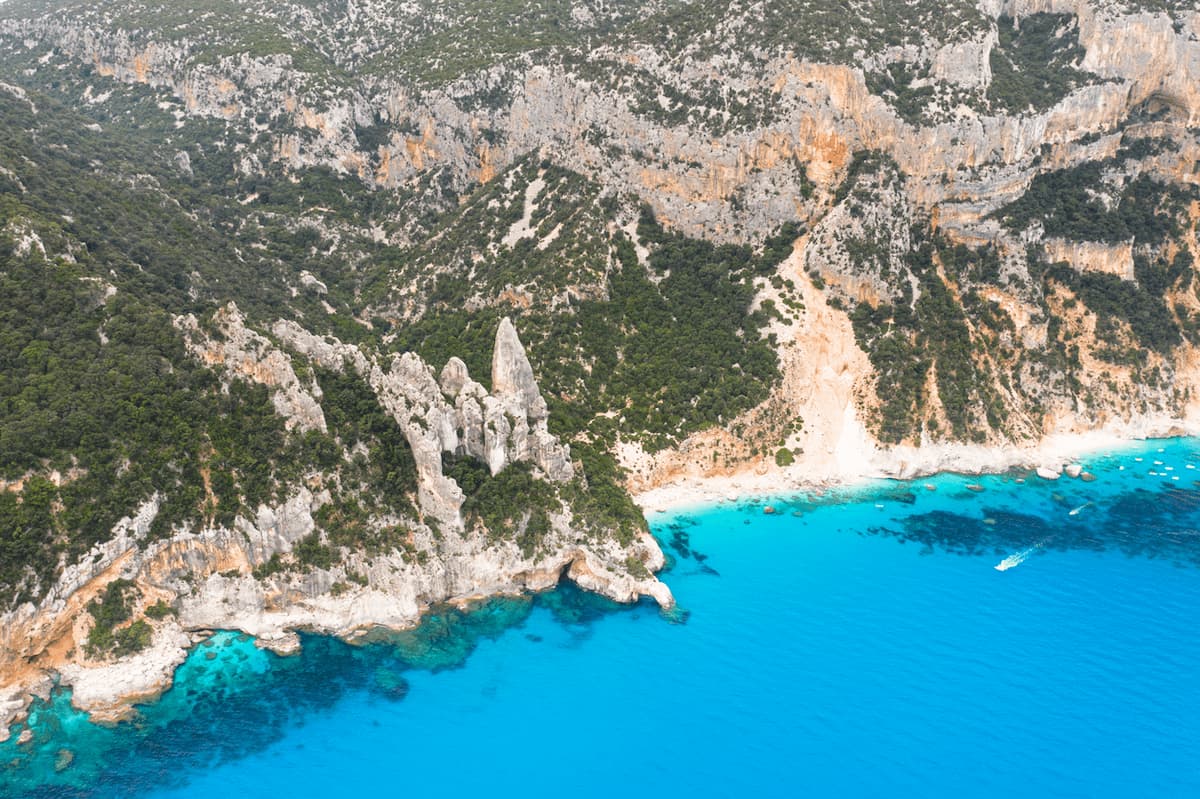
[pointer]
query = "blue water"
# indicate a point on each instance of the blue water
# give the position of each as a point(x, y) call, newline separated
point(859, 643)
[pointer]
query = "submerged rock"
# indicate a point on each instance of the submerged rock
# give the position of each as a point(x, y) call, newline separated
point(391, 684)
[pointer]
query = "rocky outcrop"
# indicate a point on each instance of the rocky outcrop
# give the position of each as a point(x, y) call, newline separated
point(214, 577)
point(1083, 256)
point(243, 353)
point(457, 416)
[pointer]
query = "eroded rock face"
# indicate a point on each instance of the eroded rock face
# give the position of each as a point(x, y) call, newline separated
point(244, 353)
point(740, 182)
point(456, 416)
point(209, 576)
point(512, 376)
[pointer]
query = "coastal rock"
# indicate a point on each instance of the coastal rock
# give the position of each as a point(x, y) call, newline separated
point(508, 425)
point(454, 378)
point(512, 376)
point(211, 575)
point(12, 704)
point(1047, 473)
point(109, 691)
point(283, 643)
point(589, 572)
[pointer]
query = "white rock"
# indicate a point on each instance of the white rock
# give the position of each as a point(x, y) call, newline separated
point(1046, 473)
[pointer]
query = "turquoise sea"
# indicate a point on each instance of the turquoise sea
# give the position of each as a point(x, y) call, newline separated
point(860, 643)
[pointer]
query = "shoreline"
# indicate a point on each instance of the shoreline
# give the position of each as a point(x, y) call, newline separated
point(901, 463)
point(109, 691)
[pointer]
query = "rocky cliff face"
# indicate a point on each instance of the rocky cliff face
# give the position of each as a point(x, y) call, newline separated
point(457, 416)
point(741, 182)
point(218, 577)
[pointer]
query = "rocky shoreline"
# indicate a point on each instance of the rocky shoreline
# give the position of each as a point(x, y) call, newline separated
point(247, 576)
point(108, 691)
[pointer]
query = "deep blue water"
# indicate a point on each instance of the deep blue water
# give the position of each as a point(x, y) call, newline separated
point(860, 643)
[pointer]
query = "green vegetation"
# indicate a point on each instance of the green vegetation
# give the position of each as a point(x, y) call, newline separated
point(467, 255)
point(895, 84)
point(1033, 63)
point(662, 350)
point(1068, 203)
point(354, 415)
point(128, 233)
point(310, 551)
point(132, 639)
point(102, 391)
point(1140, 305)
point(112, 609)
point(512, 504)
point(431, 46)
point(908, 339)
point(380, 480)
point(668, 355)
point(598, 498)
point(809, 29)
point(636, 568)
point(159, 611)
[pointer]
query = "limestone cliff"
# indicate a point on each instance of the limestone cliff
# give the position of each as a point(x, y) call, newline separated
point(741, 182)
point(246, 576)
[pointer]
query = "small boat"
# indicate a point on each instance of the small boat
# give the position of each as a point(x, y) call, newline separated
point(976, 487)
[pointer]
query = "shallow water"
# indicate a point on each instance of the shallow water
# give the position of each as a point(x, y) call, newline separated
point(859, 643)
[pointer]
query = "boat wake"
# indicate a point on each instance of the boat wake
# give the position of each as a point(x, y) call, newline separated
point(1017, 558)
